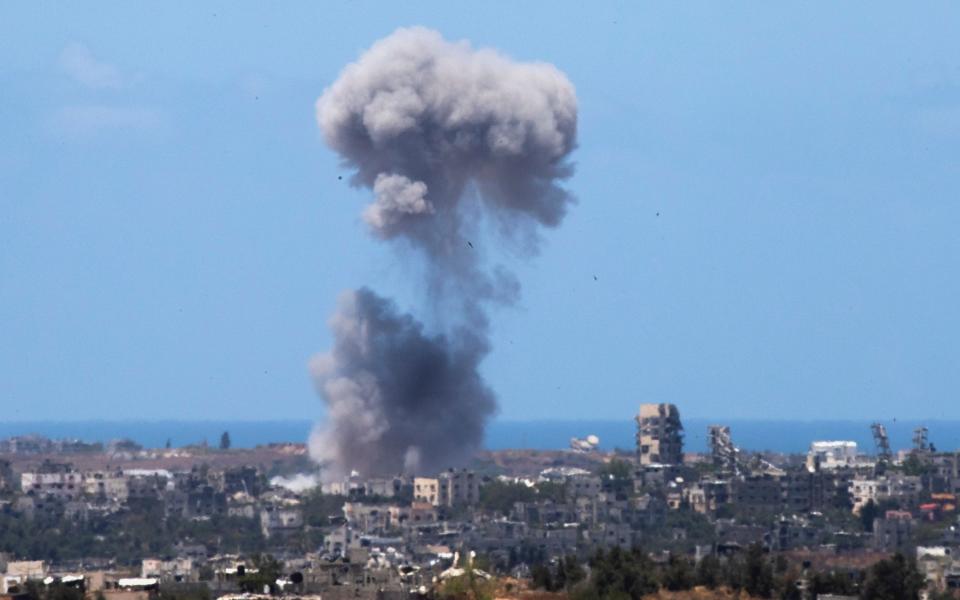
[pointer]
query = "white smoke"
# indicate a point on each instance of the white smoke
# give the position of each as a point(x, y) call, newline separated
point(396, 196)
point(299, 483)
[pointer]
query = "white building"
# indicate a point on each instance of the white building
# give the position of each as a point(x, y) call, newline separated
point(20, 571)
point(64, 485)
point(426, 489)
point(829, 455)
point(176, 569)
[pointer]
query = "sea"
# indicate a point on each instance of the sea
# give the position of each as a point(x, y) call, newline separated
point(749, 434)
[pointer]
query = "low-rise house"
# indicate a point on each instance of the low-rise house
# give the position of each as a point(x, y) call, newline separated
point(418, 513)
point(588, 486)
point(790, 533)
point(340, 541)
point(19, 572)
point(612, 534)
point(426, 489)
point(731, 533)
point(758, 493)
point(242, 506)
point(280, 520)
point(904, 488)
point(241, 479)
point(106, 484)
point(894, 532)
point(53, 480)
point(169, 570)
point(147, 484)
point(459, 488)
point(205, 502)
point(383, 487)
point(369, 518)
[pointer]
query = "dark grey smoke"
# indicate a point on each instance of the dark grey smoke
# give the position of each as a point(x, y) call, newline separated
point(445, 137)
point(399, 398)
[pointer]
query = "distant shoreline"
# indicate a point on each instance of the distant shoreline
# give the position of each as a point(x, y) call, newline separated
point(751, 434)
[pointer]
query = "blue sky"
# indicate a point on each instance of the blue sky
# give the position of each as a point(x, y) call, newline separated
point(767, 199)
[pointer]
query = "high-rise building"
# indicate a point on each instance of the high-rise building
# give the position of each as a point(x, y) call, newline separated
point(659, 435)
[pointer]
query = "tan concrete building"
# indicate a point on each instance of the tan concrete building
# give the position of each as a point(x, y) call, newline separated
point(426, 489)
point(659, 435)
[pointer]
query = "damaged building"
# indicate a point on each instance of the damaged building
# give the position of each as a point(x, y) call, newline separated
point(659, 435)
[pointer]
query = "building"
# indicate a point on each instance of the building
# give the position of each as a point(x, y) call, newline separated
point(707, 495)
point(589, 486)
point(659, 435)
point(6, 475)
point(106, 484)
point(459, 488)
point(146, 483)
point(53, 480)
point(368, 518)
point(426, 489)
point(894, 532)
point(831, 455)
point(790, 533)
point(18, 573)
point(905, 489)
point(168, 570)
point(758, 493)
point(280, 520)
point(383, 487)
point(242, 506)
point(242, 479)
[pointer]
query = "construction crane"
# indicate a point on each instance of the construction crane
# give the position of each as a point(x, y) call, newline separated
point(882, 441)
point(729, 460)
point(722, 450)
point(921, 443)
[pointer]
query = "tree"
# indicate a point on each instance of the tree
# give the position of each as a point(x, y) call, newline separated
point(678, 575)
point(542, 578)
point(915, 465)
point(755, 573)
point(551, 490)
point(620, 574)
point(893, 579)
point(834, 582)
point(788, 588)
point(225, 441)
point(500, 496)
point(469, 586)
point(268, 569)
point(319, 507)
point(868, 512)
point(709, 571)
point(569, 573)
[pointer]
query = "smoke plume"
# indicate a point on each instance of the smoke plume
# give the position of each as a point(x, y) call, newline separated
point(447, 138)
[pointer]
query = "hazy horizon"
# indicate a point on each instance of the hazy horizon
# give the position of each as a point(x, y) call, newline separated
point(750, 434)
